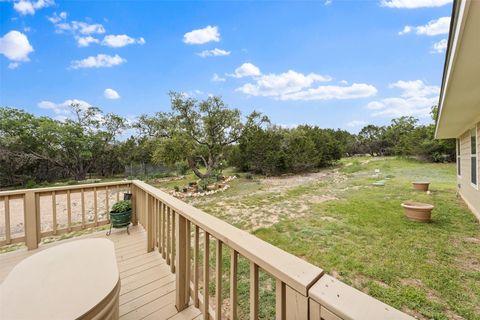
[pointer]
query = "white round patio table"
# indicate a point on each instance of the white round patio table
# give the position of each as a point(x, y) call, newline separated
point(75, 280)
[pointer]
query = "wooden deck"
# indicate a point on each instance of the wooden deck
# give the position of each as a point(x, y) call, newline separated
point(148, 286)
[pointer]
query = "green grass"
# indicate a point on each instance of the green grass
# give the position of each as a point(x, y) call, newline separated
point(362, 237)
point(429, 270)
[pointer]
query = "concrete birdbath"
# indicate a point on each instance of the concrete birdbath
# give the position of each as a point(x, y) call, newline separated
point(421, 185)
point(418, 211)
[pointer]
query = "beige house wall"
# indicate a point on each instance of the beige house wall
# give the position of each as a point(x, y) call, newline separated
point(469, 192)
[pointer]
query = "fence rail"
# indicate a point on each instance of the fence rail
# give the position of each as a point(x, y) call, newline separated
point(185, 237)
point(29, 215)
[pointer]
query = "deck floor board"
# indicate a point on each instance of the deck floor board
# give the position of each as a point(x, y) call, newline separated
point(147, 285)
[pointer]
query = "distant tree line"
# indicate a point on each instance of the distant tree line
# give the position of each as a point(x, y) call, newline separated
point(405, 137)
point(203, 136)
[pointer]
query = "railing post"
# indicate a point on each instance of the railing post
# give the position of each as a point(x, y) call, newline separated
point(296, 305)
point(181, 273)
point(134, 204)
point(149, 223)
point(32, 221)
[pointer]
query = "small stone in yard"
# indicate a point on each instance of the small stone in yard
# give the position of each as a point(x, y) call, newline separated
point(380, 183)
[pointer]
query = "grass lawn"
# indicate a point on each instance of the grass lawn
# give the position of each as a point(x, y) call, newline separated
point(357, 232)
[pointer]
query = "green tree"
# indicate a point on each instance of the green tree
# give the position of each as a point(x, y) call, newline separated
point(197, 132)
point(372, 139)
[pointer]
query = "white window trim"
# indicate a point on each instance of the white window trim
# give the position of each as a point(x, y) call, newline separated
point(458, 156)
point(475, 186)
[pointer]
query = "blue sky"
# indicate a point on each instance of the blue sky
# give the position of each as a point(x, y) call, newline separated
point(336, 64)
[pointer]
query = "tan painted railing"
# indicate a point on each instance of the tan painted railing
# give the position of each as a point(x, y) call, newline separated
point(32, 214)
point(303, 291)
point(183, 236)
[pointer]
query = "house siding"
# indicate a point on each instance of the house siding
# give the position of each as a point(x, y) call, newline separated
point(469, 192)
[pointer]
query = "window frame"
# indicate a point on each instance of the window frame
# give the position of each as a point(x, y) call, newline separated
point(459, 157)
point(474, 155)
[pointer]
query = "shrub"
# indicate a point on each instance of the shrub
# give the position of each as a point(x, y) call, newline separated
point(181, 168)
point(122, 206)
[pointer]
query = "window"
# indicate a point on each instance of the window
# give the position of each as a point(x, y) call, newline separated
point(459, 164)
point(473, 157)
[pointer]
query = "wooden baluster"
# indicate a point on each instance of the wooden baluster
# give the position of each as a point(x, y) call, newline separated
point(189, 256)
point(253, 291)
point(150, 224)
point(95, 205)
point(233, 285)
point(134, 205)
point(168, 235)
point(69, 212)
point(83, 207)
point(181, 276)
point(155, 217)
point(172, 265)
point(6, 204)
point(107, 204)
point(160, 226)
point(54, 212)
point(164, 230)
point(206, 276)
point(218, 281)
point(196, 266)
point(280, 300)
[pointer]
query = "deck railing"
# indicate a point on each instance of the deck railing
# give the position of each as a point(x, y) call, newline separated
point(302, 290)
point(32, 214)
point(184, 236)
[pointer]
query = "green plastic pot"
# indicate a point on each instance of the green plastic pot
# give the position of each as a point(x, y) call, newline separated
point(120, 219)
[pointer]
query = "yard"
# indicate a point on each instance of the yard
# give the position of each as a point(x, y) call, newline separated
point(338, 220)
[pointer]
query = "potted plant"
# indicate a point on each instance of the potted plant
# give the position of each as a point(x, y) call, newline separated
point(421, 185)
point(418, 211)
point(121, 215)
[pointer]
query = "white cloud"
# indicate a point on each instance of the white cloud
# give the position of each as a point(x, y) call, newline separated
point(25, 7)
point(412, 4)
point(85, 41)
point(192, 93)
point(121, 40)
point(111, 94)
point(415, 88)
point(13, 65)
point(201, 36)
point(98, 61)
point(213, 53)
point(327, 2)
point(343, 81)
point(217, 78)
point(440, 46)
point(87, 28)
point(356, 123)
point(78, 28)
point(62, 108)
point(246, 70)
point(274, 85)
point(355, 91)
point(56, 18)
point(416, 99)
point(15, 46)
point(432, 28)
point(375, 105)
point(292, 85)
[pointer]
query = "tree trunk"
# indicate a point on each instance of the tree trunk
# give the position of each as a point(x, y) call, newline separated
point(193, 165)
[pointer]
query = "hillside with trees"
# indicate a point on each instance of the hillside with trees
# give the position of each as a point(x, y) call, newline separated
point(203, 136)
